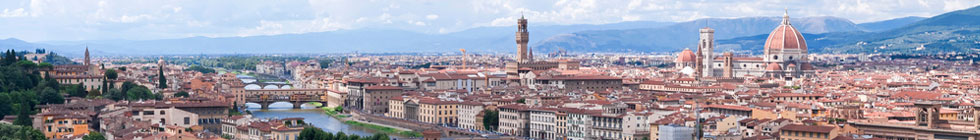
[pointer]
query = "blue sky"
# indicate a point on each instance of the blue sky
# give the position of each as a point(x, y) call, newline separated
point(48, 20)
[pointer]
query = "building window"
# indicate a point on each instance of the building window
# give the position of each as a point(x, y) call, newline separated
point(187, 120)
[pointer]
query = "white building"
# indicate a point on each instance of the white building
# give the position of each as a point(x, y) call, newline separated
point(470, 115)
point(544, 123)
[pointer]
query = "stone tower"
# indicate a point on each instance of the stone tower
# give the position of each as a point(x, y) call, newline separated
point(927, 114)
point(523, 54)
point(707, 46)
point(88, 61)
point(728, 66)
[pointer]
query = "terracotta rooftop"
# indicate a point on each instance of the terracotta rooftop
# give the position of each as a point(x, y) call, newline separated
point(808, 128)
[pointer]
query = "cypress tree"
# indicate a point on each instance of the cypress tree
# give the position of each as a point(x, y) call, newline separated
point(105, 88)
point(163, 80)
point(24, 116)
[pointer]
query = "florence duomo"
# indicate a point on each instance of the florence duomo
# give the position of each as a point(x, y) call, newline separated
point(490, 70)
point(785, 56)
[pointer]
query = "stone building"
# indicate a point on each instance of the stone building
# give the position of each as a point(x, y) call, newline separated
point(927, 125)
point(376, 98)
point(514, 120)
point(471, 115)
point(87, 74)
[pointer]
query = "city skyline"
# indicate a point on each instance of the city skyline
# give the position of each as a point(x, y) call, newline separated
point(40, 20)
point(519, 70)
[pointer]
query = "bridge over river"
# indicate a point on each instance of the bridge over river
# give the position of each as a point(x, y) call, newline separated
point(297, 97)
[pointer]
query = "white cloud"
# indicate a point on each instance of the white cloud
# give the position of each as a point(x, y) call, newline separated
point(505, 21)
point(131, 19)
point(417, 23)
point(37, 7)
point(196, 23)
point(120, 19)
point(292, 27)
point(432, 16)
point(19, 12)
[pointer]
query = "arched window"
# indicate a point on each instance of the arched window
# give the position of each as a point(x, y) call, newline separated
point(775, 57)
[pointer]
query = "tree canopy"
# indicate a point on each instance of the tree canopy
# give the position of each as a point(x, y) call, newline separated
point(182, 94)
point(94, 136)
point(111, 74)
point(313, 133)
point(490, 120)
point(13, 132)
point(200, 68)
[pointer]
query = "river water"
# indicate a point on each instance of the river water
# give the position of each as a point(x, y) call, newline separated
point(310, 114)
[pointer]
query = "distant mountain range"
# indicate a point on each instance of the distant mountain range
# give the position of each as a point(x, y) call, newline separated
point(481, 39)
point(955, 31)
point(684, 35)
point(889, 24)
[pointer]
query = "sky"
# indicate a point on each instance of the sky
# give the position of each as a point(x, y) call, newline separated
point(72, 20)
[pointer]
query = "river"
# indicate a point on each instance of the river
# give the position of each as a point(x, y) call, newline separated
point(310, 114)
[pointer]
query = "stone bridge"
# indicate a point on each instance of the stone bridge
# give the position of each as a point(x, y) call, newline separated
point(297, 97)
point(268, 85)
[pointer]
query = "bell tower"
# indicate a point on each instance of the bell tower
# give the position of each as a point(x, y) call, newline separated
point(706, 45)
point(87, 60)
point(523, 54)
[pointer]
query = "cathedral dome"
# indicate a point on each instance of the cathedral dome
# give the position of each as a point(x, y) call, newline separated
point(686, 56)
point(791, 66)
point(774, 67)
point(785, 37)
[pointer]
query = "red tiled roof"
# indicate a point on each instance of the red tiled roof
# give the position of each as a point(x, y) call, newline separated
point(382, 88)
point(685, 56)
point(808, 128)
point(729, 107)
point(785, 37)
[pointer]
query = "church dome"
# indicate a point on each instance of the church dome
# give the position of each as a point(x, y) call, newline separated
point(686, 56)
point(791, 66)
point(774, 67)
point(785, 37)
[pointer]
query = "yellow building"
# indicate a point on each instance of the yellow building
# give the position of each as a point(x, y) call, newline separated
point(947, 114)
point(436, 111)
point(63, 124)
point(396, 107)
point(723, 125)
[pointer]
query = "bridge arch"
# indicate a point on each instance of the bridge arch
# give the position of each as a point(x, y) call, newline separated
point(253, 86)
point(270, 87)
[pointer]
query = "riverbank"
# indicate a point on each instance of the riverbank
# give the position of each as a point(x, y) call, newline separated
point(314, 116)
point(380, 128)
point(383, 129)
point(334, 112)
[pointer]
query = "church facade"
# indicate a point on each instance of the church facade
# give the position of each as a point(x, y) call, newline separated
point(785, 56)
